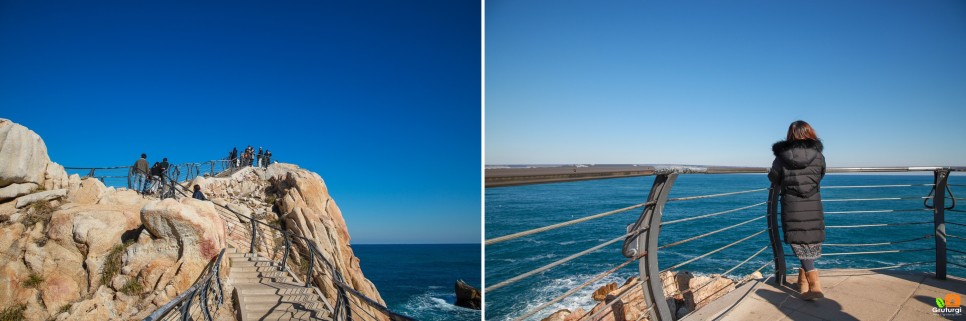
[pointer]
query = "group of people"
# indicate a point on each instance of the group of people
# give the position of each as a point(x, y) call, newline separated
point(148, 180)
point(248, 157)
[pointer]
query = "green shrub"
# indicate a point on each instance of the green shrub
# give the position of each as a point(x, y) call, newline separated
point(13, 313)
point(33, 280)
point(113, 264)
point(133, 287)
point(37, 212)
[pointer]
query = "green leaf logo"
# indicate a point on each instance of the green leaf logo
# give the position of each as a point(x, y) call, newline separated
point(940, 303)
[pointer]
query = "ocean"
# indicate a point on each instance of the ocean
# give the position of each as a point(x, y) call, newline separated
point(419, 280)
point(519, 208)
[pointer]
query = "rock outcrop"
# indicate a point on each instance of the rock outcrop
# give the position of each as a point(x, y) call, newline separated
point(684, 291)
point(468, 296)
point(75, 249)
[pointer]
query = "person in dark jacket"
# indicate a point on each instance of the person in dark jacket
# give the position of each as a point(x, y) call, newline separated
point(267, 158)
point(164, 167)
point(797, 170)
point(198, 195)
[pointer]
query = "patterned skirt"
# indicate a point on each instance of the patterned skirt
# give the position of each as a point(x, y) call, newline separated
point(807, 251)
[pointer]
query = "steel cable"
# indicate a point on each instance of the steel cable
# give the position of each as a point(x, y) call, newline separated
point(883, 243)
point(876, 225)
point(713, 252)
point(676, 199)
point(709, 233)
point(559, 225)
point(712, 214)
point(561, 261)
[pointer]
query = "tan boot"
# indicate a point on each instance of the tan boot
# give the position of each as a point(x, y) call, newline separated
point(814, 286)
point(802, 282)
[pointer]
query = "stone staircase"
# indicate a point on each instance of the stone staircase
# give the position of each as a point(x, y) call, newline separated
point(265, 293)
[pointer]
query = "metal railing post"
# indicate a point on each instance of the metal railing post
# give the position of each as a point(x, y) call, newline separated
point(939, 220)
point(650, 272)
point(777, 249)
point(288, 248)
point(254, 233)
point(308, 274)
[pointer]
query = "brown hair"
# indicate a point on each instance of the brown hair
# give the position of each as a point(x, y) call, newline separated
point(800, 130)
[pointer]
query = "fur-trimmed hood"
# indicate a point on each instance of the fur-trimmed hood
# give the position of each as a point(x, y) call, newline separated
point(797, 153)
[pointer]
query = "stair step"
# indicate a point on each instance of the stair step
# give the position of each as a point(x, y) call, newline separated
point(265, 307)
point(286, 315)
point(272, 288)
point(274, 298)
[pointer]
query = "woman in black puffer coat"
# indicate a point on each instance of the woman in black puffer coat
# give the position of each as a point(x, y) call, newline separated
point(798, 170)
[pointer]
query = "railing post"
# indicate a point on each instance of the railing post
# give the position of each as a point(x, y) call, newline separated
point(650, 272)
point(939, 220)
point(288, 248)
point(254, 232)
point(308, 274)
point(777, 249)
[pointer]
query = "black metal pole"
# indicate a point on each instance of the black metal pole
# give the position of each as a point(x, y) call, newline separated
point(308, 274)
point(777, 249)
point(939, 221)
point(254, 232)
point(648, 265)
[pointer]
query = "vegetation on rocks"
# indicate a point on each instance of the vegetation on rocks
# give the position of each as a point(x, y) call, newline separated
point(38, 212)
point(33, 280)
point(13, 313)
point(113, 264)
point(133, 287)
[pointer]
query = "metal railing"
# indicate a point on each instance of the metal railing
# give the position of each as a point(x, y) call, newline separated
point(641, 240)
point(346, 295)
point(206, 292)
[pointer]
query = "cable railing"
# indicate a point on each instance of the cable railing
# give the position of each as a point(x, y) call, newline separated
point(345, 297)
point(641, 241)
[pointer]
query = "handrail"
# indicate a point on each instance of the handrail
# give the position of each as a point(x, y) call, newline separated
point(527, 175)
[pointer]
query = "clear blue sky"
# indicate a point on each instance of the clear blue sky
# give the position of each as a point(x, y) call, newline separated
point(717, 82)
point(381, 98)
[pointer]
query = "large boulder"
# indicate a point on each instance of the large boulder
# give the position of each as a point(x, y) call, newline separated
point(40, 196)
point(15, 190)
point(308, 211)
point(23, 155)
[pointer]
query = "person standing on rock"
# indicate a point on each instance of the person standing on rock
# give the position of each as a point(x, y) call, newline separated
point(797, 170)
point(260, 154)
point(198, 195)
point(140, 173)
point(267, 158)
point(164, 168)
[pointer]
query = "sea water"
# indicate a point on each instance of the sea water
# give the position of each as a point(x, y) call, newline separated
point(520, 208)
point(419, 281)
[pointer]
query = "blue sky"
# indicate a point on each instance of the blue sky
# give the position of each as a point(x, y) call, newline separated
point(717, 82)
point(381, 98)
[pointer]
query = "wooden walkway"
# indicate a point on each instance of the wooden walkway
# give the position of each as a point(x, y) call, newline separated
point(849, 295)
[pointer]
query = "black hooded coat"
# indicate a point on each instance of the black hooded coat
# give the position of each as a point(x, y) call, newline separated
point(798, 170)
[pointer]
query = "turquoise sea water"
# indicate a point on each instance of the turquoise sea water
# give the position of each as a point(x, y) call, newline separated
point(419, 280)
point(514, 209)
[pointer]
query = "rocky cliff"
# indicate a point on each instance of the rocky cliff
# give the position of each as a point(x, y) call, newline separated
point(74, 249)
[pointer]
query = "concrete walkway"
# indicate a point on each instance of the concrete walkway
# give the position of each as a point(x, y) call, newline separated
point(849, 295)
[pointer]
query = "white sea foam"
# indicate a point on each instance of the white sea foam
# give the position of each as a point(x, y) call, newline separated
point(550, 290)
point(437, 304)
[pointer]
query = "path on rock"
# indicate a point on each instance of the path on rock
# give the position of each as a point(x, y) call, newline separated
point(266, 293)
